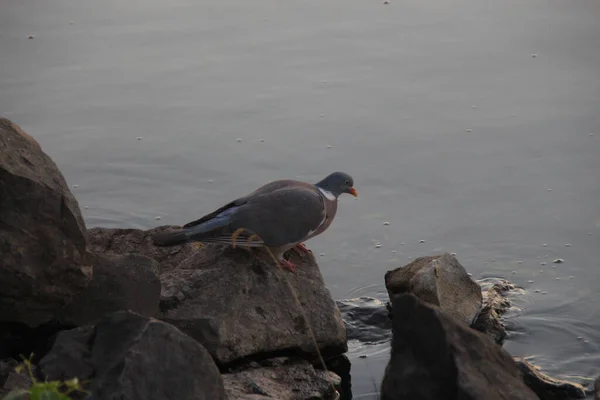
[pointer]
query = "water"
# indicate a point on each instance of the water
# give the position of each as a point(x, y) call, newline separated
point(466, 124)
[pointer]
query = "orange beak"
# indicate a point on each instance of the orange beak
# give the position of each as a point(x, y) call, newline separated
point(353, 192)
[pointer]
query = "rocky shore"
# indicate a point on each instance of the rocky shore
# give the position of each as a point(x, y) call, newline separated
point(134, 321)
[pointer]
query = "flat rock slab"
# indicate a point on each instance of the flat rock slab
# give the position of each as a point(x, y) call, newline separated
point(439, 280)
point(120, 282)
point(124, 241)
point(130, 357)
point(290, 380)
point(548, 388)
point(235, 302)
point(42, 234)
point(436, 356)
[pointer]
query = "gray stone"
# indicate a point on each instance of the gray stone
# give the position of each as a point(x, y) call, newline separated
point(42, 234)
point(124, 241)
point(439, 280)
point(548, 388)
point(290, 380)
point(237, 303)
point(436, 356)
point(120, 282)
point(131, 357)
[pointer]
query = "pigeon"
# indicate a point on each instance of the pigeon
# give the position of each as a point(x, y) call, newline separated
point(279, 215)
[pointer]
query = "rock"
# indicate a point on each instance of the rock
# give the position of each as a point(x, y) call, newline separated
point(597, 389)
point(133, 357)
point(11, 380)
point(548, 388)
point(234, 302)
point(120, 282)
point(238, 305)
point(287, 380)
point(366, 319)
point(124, 241)
point(42, 234)
point(436, 356)
point(494, 305)
point(439, 280)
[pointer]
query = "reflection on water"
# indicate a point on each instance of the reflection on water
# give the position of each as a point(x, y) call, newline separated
point(455, 135)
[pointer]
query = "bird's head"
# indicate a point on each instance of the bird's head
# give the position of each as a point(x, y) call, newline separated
point(338, 183)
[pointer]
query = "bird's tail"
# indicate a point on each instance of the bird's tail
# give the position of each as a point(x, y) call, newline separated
point(171, 238)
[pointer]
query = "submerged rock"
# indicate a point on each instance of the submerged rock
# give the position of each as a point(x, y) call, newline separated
point(285, 379)
point(42, 234)
point(235, 302)
point(439, 280)
point(548, 388)
point(366, 319)
point(131, 357)
point(436, 356)
point(120, 282)
point(494, 305)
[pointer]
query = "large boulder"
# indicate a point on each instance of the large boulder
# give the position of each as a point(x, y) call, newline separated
point(436, 356)
point(439, 280)
point(120, 282)
point(130, 357)
point(285, 379)
point(235, 302)
point(42, 234)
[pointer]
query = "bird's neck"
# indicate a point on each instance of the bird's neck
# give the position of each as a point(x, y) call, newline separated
point(327, 194)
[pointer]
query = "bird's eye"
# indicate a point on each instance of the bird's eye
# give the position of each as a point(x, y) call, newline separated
point(347, 182)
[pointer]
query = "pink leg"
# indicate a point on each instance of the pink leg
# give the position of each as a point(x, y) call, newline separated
point(300, 248)
point(287, 265)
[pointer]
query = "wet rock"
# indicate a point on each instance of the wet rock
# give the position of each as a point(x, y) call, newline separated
point(436, 356)
point(494, 305)
point(548, 388)
point(366, 319)
point(286, 380)
point(439, 280)
point(42, 234)
point(235, 302)
point(120, 282)
point(133, 357)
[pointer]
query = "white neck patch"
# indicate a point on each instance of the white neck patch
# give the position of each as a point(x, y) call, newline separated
point(328, 195)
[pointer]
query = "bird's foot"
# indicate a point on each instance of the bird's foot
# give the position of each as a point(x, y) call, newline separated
point(287, 265)
point(301, 249)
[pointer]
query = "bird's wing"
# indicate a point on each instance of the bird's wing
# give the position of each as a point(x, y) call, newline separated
point(283, 216)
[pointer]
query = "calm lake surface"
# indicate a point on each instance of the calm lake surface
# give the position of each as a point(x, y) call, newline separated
point(472, 125)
